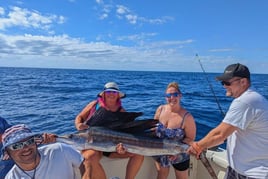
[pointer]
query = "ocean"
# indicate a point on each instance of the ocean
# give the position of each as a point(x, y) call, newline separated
point(48, 100)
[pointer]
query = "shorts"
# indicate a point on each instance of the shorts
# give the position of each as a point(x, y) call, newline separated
point(106, 154)
point(182, 166)
point(232, 174)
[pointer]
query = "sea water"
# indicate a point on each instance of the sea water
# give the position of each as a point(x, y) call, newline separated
point(48, 100)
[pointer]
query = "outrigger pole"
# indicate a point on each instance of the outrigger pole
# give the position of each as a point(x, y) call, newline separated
point(211, 88)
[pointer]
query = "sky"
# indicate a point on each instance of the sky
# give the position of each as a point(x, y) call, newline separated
point(140, 35)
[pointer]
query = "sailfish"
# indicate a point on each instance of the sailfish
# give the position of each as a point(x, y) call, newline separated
point(108, 129)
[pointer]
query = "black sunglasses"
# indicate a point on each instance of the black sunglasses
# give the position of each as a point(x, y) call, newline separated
point(20, 145)
point(168, 95)
point(227, 83)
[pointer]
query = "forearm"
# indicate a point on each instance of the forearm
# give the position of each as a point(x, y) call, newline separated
point(217, 135)
point(78, 121)
point(212, 139)
point(188, 141)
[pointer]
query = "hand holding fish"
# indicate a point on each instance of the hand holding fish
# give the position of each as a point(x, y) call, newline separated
point(49, 138)
point(172, 157)
point(82, 126)
point(195, 149)
point(120, 149)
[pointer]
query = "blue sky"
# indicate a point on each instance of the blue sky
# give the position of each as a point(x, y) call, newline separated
point(150, 35)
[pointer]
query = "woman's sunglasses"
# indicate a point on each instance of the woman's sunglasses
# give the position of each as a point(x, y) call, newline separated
point(21, 145)
point(228, 83)
point(168, 95)
point(111, 92)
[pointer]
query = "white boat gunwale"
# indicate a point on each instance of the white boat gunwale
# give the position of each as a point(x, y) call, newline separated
point(217, 159)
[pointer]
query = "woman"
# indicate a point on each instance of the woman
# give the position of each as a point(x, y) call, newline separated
point(174, 123)
point(109, 99)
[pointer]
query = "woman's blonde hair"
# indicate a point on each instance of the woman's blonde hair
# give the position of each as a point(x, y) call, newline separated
point(174, 85)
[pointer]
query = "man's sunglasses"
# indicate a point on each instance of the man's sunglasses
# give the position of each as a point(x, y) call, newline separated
point(20, 145)
point(228, 83)
point(168, 95)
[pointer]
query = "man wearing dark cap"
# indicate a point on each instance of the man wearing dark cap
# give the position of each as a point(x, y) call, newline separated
point(245, 126)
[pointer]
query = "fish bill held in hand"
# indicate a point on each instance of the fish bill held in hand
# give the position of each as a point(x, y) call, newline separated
point(103, 139)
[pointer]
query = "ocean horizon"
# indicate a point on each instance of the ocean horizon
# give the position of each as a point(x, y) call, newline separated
point(48, 99)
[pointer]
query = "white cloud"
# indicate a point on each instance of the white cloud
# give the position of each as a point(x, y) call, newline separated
point(2, 11)
point(157, 21)
point(19, 17)
point(137, 37)
point(105, 11)
point(66, 52)
point(103, 16)
point(132, 19)
point(125, 13)
point(99, 1)
point(121, 10)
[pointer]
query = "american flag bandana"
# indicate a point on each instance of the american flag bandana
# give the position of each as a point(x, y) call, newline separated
point(18, 133)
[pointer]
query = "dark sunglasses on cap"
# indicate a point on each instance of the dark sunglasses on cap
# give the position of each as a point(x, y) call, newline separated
point(20, 145)
point(168, 95)
point(228, 83)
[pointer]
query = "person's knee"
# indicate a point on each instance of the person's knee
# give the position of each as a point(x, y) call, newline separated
point(91, 155)
point(87, 164)
point(138, 157)
point(163, 172)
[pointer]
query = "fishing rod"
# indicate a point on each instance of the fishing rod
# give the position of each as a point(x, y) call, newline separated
point(206, 164)
point(211, 88)
point(203, 157)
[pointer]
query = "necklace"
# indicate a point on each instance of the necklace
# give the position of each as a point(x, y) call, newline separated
point(31, 177)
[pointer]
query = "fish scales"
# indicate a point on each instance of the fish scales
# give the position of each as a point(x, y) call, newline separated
point(119, 137)
point(103, 139)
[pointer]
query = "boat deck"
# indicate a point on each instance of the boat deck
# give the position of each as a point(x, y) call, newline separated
point(115, 168)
